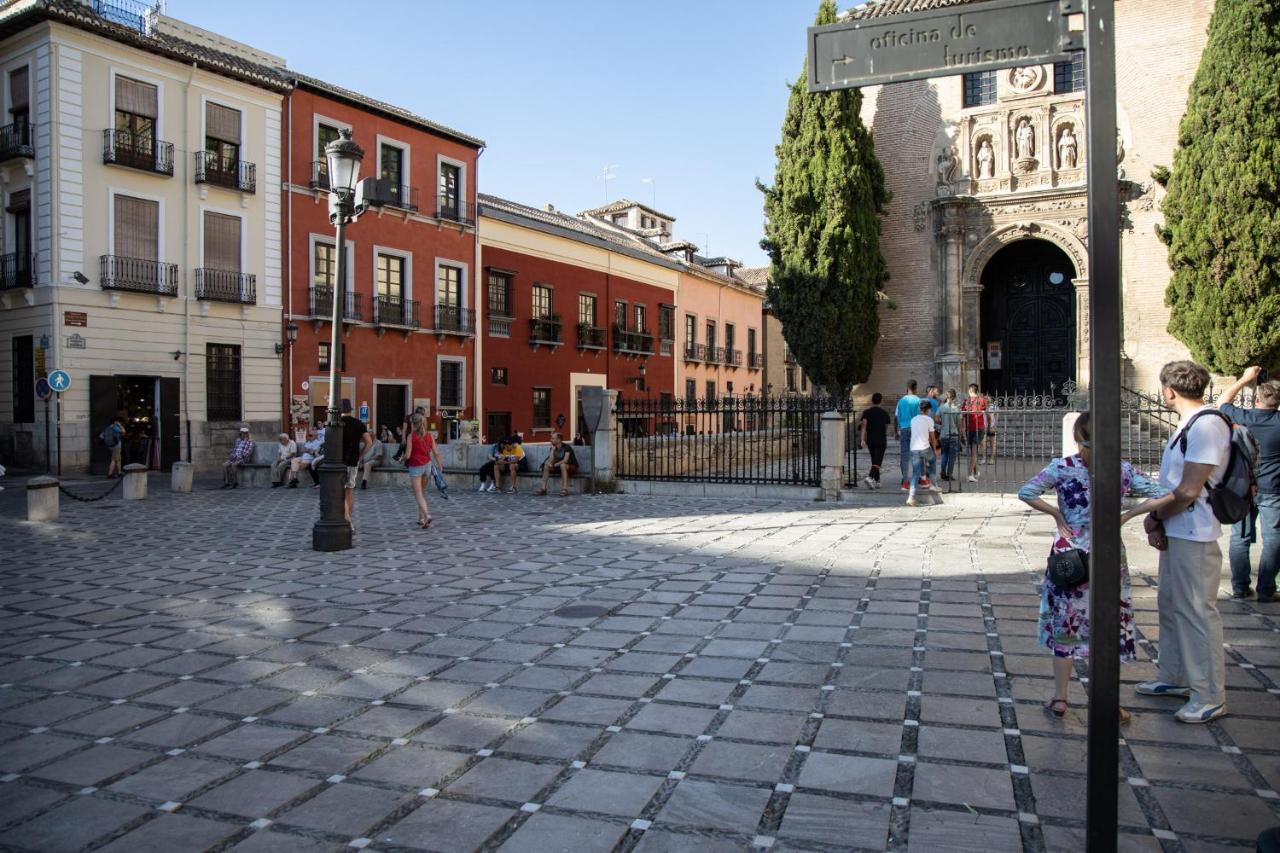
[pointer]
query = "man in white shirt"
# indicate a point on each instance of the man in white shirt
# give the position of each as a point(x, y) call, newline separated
point(924, 446)
point(1192, 664)
point(285, 451)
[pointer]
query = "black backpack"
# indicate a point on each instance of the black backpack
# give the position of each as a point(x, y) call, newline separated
point(1231, 499)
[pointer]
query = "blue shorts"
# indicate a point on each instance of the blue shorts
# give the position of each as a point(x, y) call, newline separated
point(418, 470)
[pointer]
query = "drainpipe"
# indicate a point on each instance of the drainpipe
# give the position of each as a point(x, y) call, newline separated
point(186, 296)
point(481, 302)
point(288, 251)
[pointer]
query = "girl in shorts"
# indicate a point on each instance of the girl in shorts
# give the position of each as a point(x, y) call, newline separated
point(421, 450)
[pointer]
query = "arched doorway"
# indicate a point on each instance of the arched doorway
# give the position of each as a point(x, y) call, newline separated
point(1028, 321)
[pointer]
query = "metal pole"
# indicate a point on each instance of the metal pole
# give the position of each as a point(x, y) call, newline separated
point(48, 456)
point(1104, 405)
point(57, 411)
point(333, 532)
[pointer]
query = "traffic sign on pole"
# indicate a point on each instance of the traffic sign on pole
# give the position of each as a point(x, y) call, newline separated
point(43, 391)
point(60, 381)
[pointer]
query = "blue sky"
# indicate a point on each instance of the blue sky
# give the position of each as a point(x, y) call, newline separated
point(690, 94)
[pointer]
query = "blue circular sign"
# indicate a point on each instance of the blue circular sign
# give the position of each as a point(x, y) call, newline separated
point(43, 391)
point(60, 381)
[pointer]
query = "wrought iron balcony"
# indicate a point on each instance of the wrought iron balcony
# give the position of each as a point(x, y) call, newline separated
point(227, 286)
point(638, 342)
point(733, 357)
point(500, 325)
point(226, 172)
point(321, 300)
point(454, 209)
point(545, 330)
point(319, 175)
point(695, 352)
point(129, 13)
point(138, 275)
point(590, 337)
point(715, 355)
point(17, 270)
point(15, 141)
point(395, 311)
point(755, 361)
point(452, 320)
point(398, 196)
point(121, 148)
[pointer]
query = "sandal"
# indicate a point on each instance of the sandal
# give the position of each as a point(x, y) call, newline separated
point(541, 493)
point(1057, 707)
point(425, 524)
point(564, 493)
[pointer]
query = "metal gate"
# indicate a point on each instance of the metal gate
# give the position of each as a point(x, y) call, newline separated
point(737, 439)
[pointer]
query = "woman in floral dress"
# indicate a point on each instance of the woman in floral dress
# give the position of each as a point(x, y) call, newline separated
point(1064, 612)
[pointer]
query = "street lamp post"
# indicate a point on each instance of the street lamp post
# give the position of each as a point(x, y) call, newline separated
point(332, 532)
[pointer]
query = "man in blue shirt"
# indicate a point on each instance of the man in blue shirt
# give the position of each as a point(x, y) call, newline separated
point(908, 408)
point(1263, 422)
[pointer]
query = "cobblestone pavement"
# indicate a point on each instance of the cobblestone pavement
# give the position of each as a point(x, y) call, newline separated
point(185, 674)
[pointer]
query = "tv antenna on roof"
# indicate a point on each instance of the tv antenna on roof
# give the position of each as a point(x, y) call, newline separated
point(607, 174)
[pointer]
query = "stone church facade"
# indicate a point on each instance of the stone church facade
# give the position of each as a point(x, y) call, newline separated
point(986, 237)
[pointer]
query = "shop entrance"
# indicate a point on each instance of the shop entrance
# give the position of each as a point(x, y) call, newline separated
point(391, 404)
point(149, 408)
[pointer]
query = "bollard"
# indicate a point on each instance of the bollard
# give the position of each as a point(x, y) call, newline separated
point(832, 449)
point(42, 499)
point(180, 480)
point(135, 482)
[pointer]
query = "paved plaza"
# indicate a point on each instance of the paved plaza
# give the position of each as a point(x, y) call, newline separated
point(186, 674)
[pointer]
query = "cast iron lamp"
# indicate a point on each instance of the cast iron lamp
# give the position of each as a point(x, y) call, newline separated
point(333, 532)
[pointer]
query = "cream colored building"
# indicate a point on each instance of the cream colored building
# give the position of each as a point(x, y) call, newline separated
point(987, 233)
point(147, 198)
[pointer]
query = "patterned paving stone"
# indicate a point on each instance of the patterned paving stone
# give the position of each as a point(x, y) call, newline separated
point(778, 674)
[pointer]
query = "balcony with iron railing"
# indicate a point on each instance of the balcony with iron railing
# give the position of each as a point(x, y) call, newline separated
point(128, 13)
point(319, 175)
point(500, 325)
point(450, 207)
point(122, 148)
point(590, 337)
point(227, 286)
point(17, 270)
point(666, 346)
point(452, 320)
point(695, 352)
point(15, 141)
point(546, 330)
point(321, 304)
point(395, 311)
point(755, 361)
point(138, 275)
point(399, 196)
point(732, 357)
point(789, 357)
point(637, 342)
point(226, 172)
point(715, 355)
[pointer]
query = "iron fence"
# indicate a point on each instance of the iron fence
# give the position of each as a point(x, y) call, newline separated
point(733, 439)
point(122, 148)
point(226, 286)
point(227, 172)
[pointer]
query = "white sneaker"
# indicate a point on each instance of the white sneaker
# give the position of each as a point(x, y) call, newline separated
point(911, 501)
point(482, 487)
point(933, 487)
point(1196, 712)
point(878, 485)
point(871, 484)
point(973, 478)
point(490, 487)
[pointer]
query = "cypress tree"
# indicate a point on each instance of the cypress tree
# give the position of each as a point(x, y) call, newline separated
point(822, 233)
point(1222, 211)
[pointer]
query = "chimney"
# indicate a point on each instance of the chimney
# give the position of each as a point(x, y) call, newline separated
point(549, 208)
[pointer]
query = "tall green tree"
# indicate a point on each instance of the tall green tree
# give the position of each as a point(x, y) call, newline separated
point(1222, 212)
point(822, 233)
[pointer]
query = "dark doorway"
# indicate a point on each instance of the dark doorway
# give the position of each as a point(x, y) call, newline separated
point(1028, 327)
point(497, 426)
point(392, 404)
point(149, 408)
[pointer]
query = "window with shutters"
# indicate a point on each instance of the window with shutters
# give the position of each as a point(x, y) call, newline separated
point(691, 392)
point(392, 158)
point(542, 408)
point(666, 322)
point(135, 228)
point(751, 343)
point(499, 294)
point(450, 387)
point(324, 266)
point(221, 242)
point(20, 101)
point(711, 390)
point(390, 277)
point(711, 333)
point(541, 302)
point(325, 133)
point(449, 186)
point(690, 329)
point(620, 315)
point(222, 382)
point(642, 319)
point(449, 286)
point(137, 110)
point(587, 309)
point(222, 139)
point(730, 333)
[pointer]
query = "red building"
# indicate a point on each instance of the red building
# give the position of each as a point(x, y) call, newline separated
point(568, 305)
point(409, 327)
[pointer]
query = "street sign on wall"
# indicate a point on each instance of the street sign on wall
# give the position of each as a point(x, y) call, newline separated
point(941, 42)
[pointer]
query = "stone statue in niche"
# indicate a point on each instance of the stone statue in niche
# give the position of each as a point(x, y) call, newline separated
point(947, 164)
point(1067, 149)
point(1024, 140)
point(986, 160)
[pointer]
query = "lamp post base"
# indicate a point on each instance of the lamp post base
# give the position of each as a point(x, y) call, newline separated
point(332, 531)
point(331, 536)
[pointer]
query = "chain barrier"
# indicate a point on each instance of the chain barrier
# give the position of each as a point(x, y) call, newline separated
point(85, 500)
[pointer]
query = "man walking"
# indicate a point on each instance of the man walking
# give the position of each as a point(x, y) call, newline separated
point(908, 408)
point(1191, 662)
point(113, 438)
point(924, 449)
point(1263, 422)
point(949, 434)
point(873, 434)
point(356, 442)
